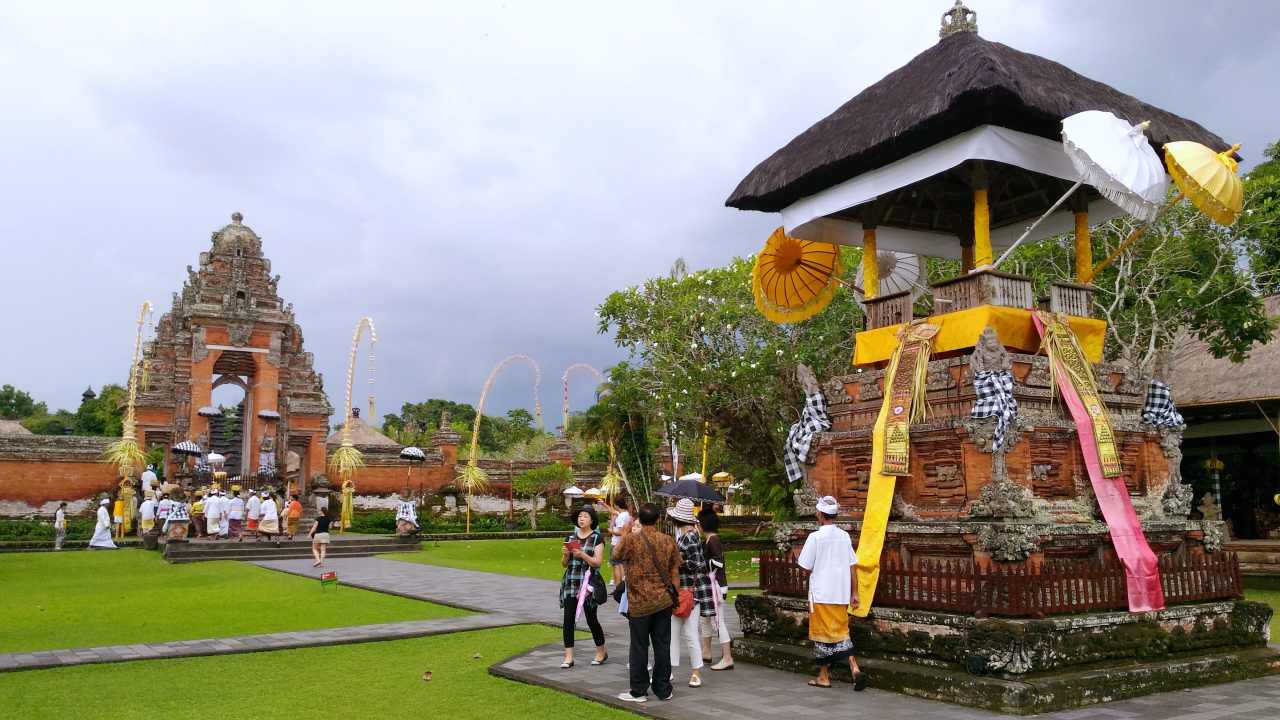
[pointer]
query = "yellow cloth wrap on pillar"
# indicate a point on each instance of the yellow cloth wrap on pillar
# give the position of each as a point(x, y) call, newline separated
point(870, 268)
point(1084, 250)
point(981, 229)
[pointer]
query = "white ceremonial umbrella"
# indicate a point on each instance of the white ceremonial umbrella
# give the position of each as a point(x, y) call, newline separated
point(1114, 158)
point(573, 491)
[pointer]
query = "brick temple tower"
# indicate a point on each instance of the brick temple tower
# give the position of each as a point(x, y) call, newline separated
point(229, 325)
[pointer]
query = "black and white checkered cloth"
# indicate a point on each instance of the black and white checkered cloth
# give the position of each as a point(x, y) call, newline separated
point(1159, 409)
point(994, 390)
point(813, 420)
point(693, 572)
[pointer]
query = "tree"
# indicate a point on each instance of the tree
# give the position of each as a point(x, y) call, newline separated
point(16, 404)
point(104, 414)
point(538, 482)
point(1262, 217)
point(700, 351)
point(417, 422)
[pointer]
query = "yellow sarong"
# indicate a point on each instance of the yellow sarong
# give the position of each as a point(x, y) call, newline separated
point(828, 623)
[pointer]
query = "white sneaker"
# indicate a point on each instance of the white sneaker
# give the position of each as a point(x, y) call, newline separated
point(628, 697)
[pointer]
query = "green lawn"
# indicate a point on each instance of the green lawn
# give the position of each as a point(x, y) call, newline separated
point(538, 558)
point(1267, 590)
point(381, 679)
point(81, 599)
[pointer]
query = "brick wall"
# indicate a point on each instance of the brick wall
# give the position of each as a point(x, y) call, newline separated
point(36, 470)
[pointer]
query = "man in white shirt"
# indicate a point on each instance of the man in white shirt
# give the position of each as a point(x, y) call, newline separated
point(235, 514)
point(269, 522)
point(212, 514)
point(148, 512)
point(252, 509)
point(828, 556)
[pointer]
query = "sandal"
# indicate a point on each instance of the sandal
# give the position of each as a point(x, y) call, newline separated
point(602, 660)
point(859, 681)
point(815, 683)
point(695, 681)
point(566, 665)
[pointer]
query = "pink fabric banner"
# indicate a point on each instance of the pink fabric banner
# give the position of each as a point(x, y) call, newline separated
point(1141, 570)
point(582, 594)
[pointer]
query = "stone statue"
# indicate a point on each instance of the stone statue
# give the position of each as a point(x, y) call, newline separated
point(267, 453)
point(989, 354)
point(808, 381)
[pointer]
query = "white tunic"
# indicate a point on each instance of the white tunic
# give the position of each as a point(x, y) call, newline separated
point(828, 555)
point(268, 510)
point(102, 531)
point(213, 514)
point(235, 508)
point(253, 507)
point(148, 509)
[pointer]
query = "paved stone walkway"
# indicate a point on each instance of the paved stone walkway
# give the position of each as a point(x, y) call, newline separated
point(520, 598)
point(247, 643)
point(751, 691)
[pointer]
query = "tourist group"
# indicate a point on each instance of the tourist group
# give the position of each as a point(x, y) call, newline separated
point(673, 590)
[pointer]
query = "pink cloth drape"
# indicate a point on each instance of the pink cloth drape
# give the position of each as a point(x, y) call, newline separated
point(582, 594)
point(1141, 570)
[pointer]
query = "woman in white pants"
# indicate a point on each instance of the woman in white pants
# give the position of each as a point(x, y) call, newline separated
point(693, 577)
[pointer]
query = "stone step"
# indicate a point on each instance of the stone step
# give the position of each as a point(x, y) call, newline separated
point(361, 546)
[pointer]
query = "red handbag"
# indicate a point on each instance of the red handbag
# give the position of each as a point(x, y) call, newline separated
point(684, 605)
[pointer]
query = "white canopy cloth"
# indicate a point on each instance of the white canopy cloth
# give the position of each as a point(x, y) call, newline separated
point(807, 219)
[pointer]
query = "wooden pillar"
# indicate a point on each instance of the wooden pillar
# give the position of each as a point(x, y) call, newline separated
point(982, 255)
point(1084, 247)
point(870, 266)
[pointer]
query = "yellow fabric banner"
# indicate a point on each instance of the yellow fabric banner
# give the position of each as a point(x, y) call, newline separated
point(961, 329)
point(1065, 352)
point(875, 517)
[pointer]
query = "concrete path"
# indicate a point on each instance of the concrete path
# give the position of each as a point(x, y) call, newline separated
point(520, 598)
point(751, 691)
point(247, 643)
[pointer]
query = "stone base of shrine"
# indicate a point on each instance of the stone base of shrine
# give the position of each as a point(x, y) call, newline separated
point(1026, 666)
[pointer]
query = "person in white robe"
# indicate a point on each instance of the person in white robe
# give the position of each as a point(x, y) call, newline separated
point(148, 513)
point(253, 510)
point(213, 514)
point(269, 520)
point(102, 531)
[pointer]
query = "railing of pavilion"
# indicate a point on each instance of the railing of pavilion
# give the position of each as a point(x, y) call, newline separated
point(1055, 587)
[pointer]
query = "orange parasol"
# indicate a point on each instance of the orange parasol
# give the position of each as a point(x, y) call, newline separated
point(793, 279)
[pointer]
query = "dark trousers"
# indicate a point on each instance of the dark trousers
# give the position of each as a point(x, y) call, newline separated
point(652, 629)
point(593, 622)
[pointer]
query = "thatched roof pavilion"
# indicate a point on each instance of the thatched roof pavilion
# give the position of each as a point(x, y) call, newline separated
point(1199, 379)
point(908, 154)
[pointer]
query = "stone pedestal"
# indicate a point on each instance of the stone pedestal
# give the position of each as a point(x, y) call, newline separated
point(1025, 666)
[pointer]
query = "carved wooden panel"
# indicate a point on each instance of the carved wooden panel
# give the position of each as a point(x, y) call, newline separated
point(938, 463)
point(855, 464)
point(1131, 461)
point(1055, 455)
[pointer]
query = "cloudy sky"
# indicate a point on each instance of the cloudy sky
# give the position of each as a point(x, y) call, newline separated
point(475, 176)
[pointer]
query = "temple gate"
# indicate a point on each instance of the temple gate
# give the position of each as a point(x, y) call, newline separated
point(229, 326)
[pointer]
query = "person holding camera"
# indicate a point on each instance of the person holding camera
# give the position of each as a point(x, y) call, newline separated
point(581, 556)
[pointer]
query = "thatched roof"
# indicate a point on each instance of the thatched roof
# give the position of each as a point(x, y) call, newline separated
point(13, 427)
point(959, 84)
point(362, 435)
point(1198, 378)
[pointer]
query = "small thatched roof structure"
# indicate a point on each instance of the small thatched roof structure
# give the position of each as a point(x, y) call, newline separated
point(961, 83)
point(13, 427)
point(362, 435)
point(1198, 378)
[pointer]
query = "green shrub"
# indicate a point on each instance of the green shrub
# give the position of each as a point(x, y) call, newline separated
point(33, 530)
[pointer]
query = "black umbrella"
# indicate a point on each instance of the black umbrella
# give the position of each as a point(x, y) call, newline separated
point(186, 447)
point(692, 489)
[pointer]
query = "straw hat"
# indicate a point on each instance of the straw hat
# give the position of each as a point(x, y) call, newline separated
point(683, 511)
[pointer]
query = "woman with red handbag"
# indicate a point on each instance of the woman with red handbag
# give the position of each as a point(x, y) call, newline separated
point(695, 590)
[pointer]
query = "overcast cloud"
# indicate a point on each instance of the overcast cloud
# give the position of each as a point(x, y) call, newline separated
point(475, 176)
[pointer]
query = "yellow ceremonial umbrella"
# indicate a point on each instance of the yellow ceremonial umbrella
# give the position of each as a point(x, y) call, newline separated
point(794, 279)
point(1207, 178)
